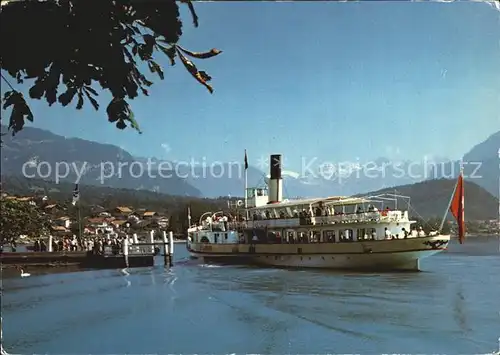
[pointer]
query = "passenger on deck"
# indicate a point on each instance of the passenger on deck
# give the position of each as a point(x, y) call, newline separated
point(372, 208)
point(421, 232)
point(359, 210)
point(295, 213)
point(405, 232)
point(374, 235)
point(387, 233)
point(413, 233)
point(224, 221)
point(319, 211)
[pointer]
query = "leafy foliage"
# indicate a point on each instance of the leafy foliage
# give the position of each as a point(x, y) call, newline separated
point(21, 218)
point(75, 44)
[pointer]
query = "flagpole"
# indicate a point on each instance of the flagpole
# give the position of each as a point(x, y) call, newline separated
point(246, 186)
point(451, 200)
point(448, 208)
point(79, 223)
point(76, 203)
point(246, 193)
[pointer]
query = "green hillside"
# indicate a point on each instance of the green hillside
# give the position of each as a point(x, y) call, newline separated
point(430, 199)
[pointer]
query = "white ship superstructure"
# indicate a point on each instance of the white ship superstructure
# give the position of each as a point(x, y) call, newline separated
point(339, 232)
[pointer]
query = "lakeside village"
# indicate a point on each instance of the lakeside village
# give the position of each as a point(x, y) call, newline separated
point(95, 231)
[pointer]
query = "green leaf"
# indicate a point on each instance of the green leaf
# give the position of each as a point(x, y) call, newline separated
point(91, 99)
point(191, 10)
point(20, 110)
point(120, 112)
point(66, 97)
point(201, 55)
point(194, 72)
point(90, 89)
point(155, 68)
point(133, 122)
point(170, 52)
point(79, 105)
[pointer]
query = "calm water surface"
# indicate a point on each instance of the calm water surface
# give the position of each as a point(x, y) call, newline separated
point(452, 307)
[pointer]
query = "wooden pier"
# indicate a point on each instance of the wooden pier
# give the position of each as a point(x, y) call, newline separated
point(133, 254)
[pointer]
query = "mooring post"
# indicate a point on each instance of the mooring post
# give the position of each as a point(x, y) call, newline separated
point(136, 241)
point(49, 247)
point(1, 336)
point(171, 247)
point(125, 251)
point(130, 249)
point(166, 251)
point(151, 241)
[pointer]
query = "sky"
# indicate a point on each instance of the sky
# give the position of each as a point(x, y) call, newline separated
point(316, 80)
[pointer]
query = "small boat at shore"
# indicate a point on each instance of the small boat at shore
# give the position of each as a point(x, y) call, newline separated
point(333, 232)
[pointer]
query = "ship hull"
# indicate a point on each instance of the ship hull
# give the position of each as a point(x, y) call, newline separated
point(390, 255)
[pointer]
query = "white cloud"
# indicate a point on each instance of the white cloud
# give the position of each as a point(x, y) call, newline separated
point(166, 148)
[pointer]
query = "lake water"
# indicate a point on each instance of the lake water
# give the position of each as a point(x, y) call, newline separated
point(452, 307)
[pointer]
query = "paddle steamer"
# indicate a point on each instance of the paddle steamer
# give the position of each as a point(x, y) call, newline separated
point(332, 232)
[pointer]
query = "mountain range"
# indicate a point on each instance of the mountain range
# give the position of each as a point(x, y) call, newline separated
point(108, 165)
point(428, 199)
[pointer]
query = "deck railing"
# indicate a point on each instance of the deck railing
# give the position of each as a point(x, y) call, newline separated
point(385, 216)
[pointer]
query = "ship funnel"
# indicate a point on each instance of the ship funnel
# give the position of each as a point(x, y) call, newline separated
point(275, 183)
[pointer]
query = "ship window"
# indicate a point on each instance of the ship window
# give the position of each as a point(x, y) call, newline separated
point(361, 234)
point(329, 236)
point(225, 235)
point(349, 209)
point(346, 235)
point(372, 233)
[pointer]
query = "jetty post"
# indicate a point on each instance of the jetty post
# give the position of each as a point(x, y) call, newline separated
point(152, 241)
point(1, 337)
point(50, 247)
point(166, 249)
point(125, 251)
point(136, 241)
point(171, 247)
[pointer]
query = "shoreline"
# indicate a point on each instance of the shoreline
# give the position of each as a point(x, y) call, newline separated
point(477, 235)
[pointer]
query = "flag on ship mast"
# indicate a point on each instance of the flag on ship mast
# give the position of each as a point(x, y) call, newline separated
point(76, 195)
point(189, 216)
point(246, 160)
point(457, 207)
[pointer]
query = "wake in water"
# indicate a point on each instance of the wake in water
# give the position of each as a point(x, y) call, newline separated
point(170, 280)
point(125, 274)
